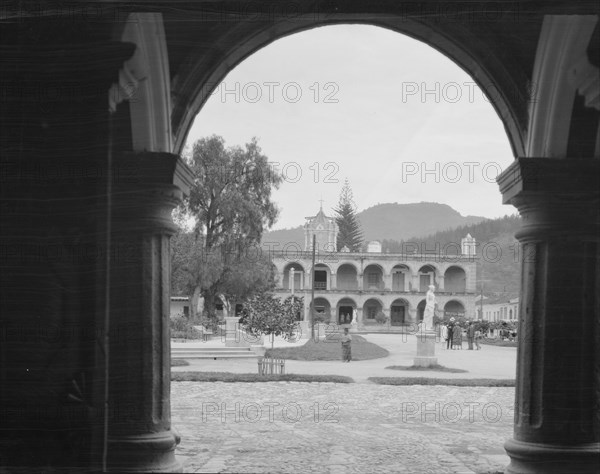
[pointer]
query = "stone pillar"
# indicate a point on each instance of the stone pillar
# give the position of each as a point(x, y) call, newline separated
point(416, 282)
point(557, 425)
point(359, 317)
point(440, 283)
point(333, 282)
point(232, 338)
point(387, 281)
point(306, 280)
point(425, 349)
point(139, 432)
point(360, 281)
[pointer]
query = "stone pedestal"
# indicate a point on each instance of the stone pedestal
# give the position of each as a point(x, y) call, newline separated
point(140, 438)
point(557, 427)
point(425, 349)
point(232, 335)
point(304, 329)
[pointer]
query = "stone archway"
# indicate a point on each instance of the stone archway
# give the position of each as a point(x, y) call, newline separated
point(455, 309)
point(555, 426)
point(399, 312)
point(346, 311)
point(455, 279)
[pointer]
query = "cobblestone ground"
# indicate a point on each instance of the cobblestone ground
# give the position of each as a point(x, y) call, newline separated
point(341, 428)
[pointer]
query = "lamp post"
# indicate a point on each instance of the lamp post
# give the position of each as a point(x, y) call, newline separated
point(312, 290)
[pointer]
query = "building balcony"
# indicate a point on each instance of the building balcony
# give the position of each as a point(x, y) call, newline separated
point(323, 289)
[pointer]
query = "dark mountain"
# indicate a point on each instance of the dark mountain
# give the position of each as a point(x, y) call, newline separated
point(390, 221)
point(401, 221)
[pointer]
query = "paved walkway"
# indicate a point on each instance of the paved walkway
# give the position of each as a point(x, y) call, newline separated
point(489, 362)
point(348, 428)
point(341, 428)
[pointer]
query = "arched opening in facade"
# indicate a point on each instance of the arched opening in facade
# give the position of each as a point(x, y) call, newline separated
point(346, 311)
point(454, 309)
point(371, 308)
point(455, 280)
point(401, 278)
point(373, 278)
point(399, 312)
point(323, 309)
point(427, 276)
point(297, 282)
point(347, 277)
point(322, 273)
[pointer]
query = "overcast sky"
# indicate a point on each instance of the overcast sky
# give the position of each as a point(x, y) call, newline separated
point(397, 118)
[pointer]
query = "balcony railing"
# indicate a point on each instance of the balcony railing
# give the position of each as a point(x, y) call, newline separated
point(320, 285)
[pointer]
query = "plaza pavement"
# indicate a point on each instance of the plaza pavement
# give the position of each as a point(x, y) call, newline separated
point(348, 428)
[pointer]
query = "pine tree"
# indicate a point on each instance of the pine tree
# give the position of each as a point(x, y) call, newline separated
point(350, 234)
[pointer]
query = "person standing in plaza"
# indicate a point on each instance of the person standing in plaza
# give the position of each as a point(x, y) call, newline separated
point(346, 340)
point(478, 337)
point(449, 340)
point(470, 334)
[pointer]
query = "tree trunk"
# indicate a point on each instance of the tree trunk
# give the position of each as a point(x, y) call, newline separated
point(194, 302)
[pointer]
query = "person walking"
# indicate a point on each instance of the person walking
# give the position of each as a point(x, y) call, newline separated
point(470, 334)
point(346, 340)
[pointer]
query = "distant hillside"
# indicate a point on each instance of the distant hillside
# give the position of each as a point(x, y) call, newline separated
point(498, 251)
point(390, 221)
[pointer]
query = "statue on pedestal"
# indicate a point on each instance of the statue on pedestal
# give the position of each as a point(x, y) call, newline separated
point(429, 309)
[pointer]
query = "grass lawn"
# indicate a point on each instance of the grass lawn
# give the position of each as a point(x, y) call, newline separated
point(329, 349)
point(231, 377)
point(433, 368)
point(455, 382)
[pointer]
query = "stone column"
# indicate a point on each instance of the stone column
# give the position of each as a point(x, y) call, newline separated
point(440, 283)
point(387, 281)
point(557, 424)
point(416, 282)
point(231, 331)
point(139, 432)
point(332, 281)
point(360, 281)
point(359, 317)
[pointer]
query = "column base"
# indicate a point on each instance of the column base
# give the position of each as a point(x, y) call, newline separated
point(535, 458)
point(151, 452)
point(425, 361)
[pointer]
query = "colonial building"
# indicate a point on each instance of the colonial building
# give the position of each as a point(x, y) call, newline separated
point(356, 286)
point(503, 308)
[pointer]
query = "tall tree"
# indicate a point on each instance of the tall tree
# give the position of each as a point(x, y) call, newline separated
point(350, 233)
point(230, 202)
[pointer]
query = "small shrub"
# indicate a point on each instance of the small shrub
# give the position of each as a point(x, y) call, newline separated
point(182, 328)
point(381, 318)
